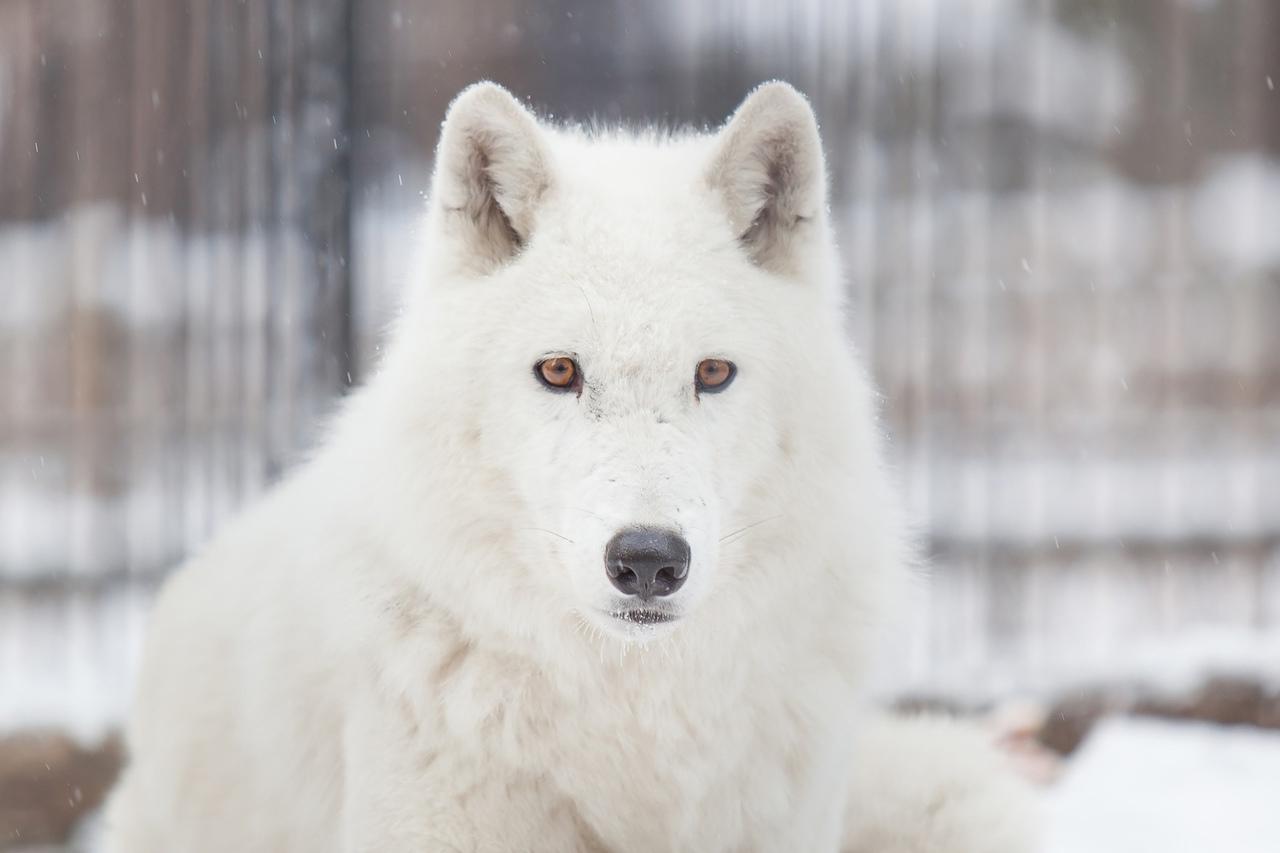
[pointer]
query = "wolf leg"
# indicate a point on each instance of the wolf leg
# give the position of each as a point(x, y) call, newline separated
point(931, 785)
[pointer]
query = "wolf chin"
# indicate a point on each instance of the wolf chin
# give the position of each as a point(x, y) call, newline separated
point(595, 560)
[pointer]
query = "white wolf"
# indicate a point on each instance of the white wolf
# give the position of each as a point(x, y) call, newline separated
point(591, 564)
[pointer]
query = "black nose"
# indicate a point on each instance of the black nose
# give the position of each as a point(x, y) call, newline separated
point(647, 561)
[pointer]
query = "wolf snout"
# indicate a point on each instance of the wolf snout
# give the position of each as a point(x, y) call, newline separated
point(647, 562)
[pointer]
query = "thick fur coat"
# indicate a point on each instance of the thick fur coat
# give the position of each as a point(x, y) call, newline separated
point(413, 644)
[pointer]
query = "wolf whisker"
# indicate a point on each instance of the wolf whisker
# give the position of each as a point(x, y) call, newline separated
point(745, 528)
point(552, 532)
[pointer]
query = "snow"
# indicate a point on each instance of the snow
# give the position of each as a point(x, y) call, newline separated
point(1235, 210)
point(70, 662)
point(1081, 631)
point(1145, 785)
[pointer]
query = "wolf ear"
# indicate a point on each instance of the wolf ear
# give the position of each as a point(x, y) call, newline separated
point(492, 170)
point(769, 171)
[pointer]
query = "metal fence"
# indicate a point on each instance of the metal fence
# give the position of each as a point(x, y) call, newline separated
point(1059, 220)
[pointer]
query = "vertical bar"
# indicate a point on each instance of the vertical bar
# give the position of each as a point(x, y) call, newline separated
point(1101, 535)
point(1249, 319)
point(1165, 296)
point(865, 196)
point(980, 290)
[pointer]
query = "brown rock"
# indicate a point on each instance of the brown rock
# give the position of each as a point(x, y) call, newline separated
point(1235, 701)
point(48, 782)
point(1069, 720)
point(1227, 700)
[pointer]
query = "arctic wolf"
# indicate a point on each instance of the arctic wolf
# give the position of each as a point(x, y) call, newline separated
point(593, 562)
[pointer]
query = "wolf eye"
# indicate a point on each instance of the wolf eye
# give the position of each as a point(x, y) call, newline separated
point(559, 373)
point(714, 374)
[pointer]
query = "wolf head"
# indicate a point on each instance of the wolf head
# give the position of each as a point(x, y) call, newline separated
point(627, 357)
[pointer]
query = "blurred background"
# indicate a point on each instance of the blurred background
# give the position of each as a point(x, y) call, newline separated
point(1061, 226)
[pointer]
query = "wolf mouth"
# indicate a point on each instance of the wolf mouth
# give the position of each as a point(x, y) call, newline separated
point(646, 616)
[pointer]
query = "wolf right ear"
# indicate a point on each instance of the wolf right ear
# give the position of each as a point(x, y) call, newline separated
point(492, 170)
point(769, 172)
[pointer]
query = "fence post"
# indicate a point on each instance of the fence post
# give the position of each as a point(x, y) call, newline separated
point(310, 88)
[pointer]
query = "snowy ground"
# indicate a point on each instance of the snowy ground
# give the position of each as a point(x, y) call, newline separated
point(1147, 785)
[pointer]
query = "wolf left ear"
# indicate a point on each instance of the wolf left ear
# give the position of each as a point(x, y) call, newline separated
point(492, 170)
point(769, 171)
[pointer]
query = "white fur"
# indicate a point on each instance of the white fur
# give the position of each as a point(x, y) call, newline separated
point(407, 645)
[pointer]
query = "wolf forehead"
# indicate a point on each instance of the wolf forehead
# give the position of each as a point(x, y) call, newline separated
point(638, 202)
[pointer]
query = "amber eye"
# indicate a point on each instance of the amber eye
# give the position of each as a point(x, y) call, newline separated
point(714, 374)
point(559, 373)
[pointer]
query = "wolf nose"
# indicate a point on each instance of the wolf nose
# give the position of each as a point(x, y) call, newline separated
point(647, 562)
